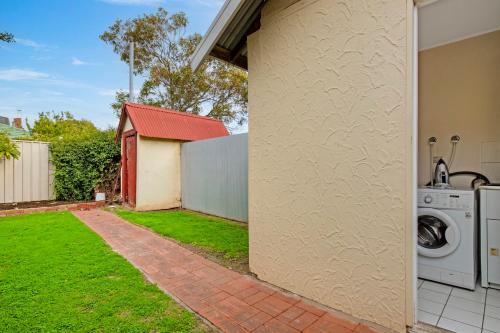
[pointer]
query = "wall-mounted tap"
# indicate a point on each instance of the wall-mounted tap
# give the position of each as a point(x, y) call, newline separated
point(454, 141)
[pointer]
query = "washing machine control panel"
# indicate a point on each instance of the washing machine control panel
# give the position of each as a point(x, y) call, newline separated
point(446, 199)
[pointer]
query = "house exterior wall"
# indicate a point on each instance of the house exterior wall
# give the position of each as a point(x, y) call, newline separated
point(158, 174)
point(330, 158)
point(459, 94)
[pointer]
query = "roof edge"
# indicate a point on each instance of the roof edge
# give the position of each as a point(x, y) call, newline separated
point(121, 123)
point(124, 114)
point(220, 23)
point(179, 113)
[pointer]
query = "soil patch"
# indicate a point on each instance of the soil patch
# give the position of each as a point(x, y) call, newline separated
point(240, 266)
point(34, 204)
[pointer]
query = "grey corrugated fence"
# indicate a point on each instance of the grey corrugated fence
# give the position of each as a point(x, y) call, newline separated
point(215, 176)
point(29, 178)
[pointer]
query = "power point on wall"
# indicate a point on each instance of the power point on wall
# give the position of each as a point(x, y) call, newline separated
point(436, 159)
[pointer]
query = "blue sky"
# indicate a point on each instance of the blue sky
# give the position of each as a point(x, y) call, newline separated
point(59, 63)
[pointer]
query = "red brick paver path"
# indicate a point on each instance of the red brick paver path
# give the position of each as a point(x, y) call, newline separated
point(229, 300)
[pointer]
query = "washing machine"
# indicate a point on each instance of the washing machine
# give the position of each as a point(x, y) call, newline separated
point(448, 236)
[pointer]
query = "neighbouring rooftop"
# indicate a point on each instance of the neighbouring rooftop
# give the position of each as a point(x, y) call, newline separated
point(13, 132)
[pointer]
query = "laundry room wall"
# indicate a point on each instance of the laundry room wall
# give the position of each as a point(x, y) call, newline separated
point(459, 93)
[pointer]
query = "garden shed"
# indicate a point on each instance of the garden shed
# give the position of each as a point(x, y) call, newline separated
point(151, 140)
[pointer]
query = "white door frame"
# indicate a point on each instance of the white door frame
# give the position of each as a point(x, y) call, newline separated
point(415, 159)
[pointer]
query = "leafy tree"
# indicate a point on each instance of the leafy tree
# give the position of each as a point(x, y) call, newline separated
point(120, 98)
point(7, 37)
point(162, 53)
point(59, 126)
point(8, 149)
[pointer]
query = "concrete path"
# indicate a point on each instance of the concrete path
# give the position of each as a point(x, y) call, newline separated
point(229, 300)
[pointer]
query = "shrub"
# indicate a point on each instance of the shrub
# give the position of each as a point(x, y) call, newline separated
point(8, 149)
point(84, 164)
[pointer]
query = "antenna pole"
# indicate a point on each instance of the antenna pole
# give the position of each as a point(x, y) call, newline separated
point(131, 73)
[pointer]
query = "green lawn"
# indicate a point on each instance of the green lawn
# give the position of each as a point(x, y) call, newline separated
point(56, 275)
point(206, 232)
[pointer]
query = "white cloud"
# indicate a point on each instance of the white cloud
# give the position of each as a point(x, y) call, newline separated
point(108, 92)
point(134, 2)
point(112, 92)
point(41, 57)
point(29, 43)
point(51, 92)
point(8, 108)
point(213, 4)
point(21, 74)
point(78, 62)
point(209, 3)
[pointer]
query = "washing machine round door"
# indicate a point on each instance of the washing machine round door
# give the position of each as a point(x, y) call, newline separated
point(438, 233)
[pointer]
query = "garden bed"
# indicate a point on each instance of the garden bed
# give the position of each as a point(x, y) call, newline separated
point(33, 204)
point(53, 208)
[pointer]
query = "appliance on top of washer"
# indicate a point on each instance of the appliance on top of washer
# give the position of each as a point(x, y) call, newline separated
point(447, 236)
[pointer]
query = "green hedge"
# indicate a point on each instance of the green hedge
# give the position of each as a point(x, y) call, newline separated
point(83, 164)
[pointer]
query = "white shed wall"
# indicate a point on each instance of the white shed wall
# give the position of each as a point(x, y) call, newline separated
point(158, 174)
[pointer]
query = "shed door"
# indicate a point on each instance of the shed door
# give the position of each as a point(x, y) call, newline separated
point(131, 155)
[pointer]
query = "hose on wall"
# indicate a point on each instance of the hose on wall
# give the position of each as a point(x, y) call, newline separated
point(477, 177)
point(432, 142)
point(454, 141)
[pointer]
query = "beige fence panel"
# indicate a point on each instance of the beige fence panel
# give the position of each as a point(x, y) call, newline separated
point(30, 178)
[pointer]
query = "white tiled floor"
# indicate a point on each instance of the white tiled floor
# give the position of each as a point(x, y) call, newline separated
point(459, 310)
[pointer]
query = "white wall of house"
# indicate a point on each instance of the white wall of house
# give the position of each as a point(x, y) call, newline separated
point(330, 154)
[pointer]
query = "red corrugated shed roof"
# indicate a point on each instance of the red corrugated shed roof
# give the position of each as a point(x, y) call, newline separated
point(162, 123)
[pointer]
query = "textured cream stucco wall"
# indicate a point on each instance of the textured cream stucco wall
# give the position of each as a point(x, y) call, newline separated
point(459, 93)
point(158, 174)
point(330, 154)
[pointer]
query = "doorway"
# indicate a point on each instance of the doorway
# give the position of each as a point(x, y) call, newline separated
point(456, 63)
point(129, 167)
